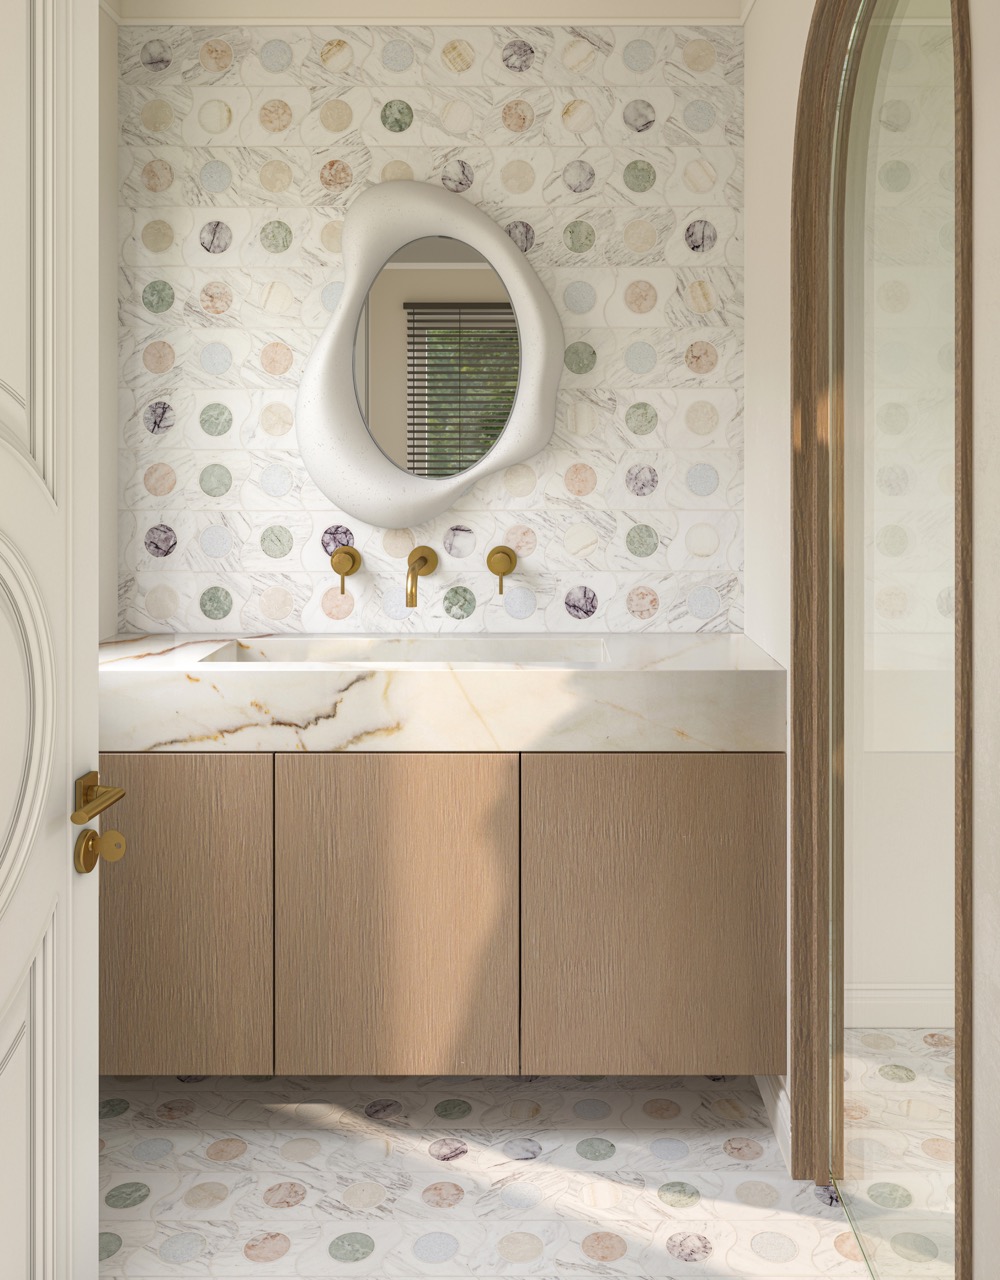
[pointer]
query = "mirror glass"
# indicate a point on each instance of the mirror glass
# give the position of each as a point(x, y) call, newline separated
point(436, 357)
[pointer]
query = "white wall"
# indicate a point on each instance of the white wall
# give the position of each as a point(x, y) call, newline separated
point(986, 611)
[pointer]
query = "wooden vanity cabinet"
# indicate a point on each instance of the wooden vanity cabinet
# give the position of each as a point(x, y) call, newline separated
point(653, 914)
point(445, 914)
point(396, 914)
point(186, 917)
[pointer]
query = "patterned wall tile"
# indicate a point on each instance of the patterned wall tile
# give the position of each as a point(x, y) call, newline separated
point(613, 155)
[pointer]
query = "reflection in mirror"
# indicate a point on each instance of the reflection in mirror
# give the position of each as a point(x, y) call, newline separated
point(436, 357)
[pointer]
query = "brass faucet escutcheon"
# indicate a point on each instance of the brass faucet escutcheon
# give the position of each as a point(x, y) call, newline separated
point(501, 561)
point(345, 561)
point(421, 562)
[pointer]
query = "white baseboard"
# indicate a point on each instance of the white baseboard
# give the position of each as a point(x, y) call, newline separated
point(774, 1091)
point(899, 1004)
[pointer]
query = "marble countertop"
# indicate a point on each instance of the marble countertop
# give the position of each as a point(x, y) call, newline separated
point(440, 693)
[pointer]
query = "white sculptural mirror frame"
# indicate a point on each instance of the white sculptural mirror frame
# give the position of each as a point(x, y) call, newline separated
point(338, 450)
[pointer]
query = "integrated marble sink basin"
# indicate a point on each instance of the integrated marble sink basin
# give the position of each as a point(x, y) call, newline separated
point(450, 692)
point(389, 652)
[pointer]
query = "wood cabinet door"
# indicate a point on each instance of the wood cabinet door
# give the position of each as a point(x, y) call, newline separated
point(653, 914)
point(396, 914)
point(186, 938)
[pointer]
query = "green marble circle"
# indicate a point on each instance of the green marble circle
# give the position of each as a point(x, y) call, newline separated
point(157, 297)
point(108, 1244)
point(679, 1195)
point(580, 357)
point(276, 541)
point(355, 1246)
point(215, 480)
point(897, 1074)
point(459, 603)
point(889, 1195)
point(639, 175)
point(111, 1107)
point(641, 418)
point(276, 236)
point(595, 1149)
point(579, 236)
point(641, 540)
point(453, 1109)
point(216, 419)
point(397, 116)
point(216, 603)
point(126, 1195)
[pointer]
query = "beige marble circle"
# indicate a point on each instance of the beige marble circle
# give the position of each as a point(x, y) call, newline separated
point(661, 1108)
point(442, 1195)
point(159, 479)
point(276, 603)
point(277, 298)
point(699, 55)
point(700, 297)
point(642, 602)
point(601, 1195)
point(337, 606)
point(702, 540)
point(520, 1246)
point(158, 357)
point(275, 175)
point(942, 1149)
point(337, 55)
point(583, 418)
point(761, 1195)
point(364, 1195)
point(205, 1195)
point(517, 115)
point(701, 417)
point(579, 55)
point(216, 55)
point(275, 115)
point(581, 540)
point(276, 419)
point(215, 116)
point(458, 56)
point(578, 116)
point(297, 1148)
point(521, 538)
point(157, 175)
point(701, 357)
point(397, 171)
point(225, 1149)
point(276, 358)
point(458, 117)
point(157, 115)
point(331, 237)
point(336, 115)
point(524, 1109)
point(519, 480)
point(700, 176)
point(157, 235)
point(604, 1246)
point(580, 479)
point(640, 235)
point(729, 1109)
point(640, 297)
point(398, 543)
point(517, 177)
point(216, 298)
point(161, 603)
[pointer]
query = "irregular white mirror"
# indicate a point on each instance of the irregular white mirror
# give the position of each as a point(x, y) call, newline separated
point(440, 365)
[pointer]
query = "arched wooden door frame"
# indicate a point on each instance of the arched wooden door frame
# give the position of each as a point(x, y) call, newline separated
point(829, 78)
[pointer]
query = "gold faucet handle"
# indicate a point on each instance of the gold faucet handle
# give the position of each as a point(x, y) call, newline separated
point(345, 561)
point(501, 561)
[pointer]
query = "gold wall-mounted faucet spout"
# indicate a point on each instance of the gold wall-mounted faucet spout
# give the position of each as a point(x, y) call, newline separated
point(421, 562)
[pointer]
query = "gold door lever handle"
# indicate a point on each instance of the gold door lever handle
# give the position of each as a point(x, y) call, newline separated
point(109, 845)
point(92, 798)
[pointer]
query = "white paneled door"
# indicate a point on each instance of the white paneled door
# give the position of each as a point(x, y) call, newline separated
point(48, 635)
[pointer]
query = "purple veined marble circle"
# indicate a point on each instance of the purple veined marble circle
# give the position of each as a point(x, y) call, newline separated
point(158, 417)
point(215, 237)
point(581, 602)
point(522, 233)
point(337, 535)
point(448, 1149)
point(518, 55)
point(160, 540)
point(522, 1149)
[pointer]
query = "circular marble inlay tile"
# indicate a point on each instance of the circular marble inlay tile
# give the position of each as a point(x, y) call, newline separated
point(702, 479)
point(774, 1246)
point(331, 236)
point(604, 1246)
point(127, 1195)
point(277, 603)
point(895, 116)
point(276, 541)
point(580, 297)
point(157, 297)
point(275, 115)
point(457, 117)
point(215, 480)
point(889, 1195)
point(519, 480)
point(743, 1149)
point(639, 175)
point(397, 171)
point(914, 1247)
point(175, 1109)
point(701, 417)
point(518, 56)
point(337, 56)
point(522, 1149)
point(521, 1195)
point(158, 417)
point(580, 479)
point(641, 480)
point(161, 603)
point(449, 1149)
point(186, 1246)
point(276, 358)
point(276, 56)
point(108, 1244)
point(679, 1195)
point(942, 1149)
point(435, 1246)
point(460, 541)
point(459, 603)
point(642, 603)
point(157, 175)
point(352, 1246)
point(579, 236)
point(276, 480)
point(638, 55)
point(216, 55)
point(700, 176)
point(702, 540)
point(701, 357)
point(640, 297)
point(216, 358)
point(216, 298)
point(397, 55)
point(639, 115)
point(157, 115)
point(268, 1247)
point(397, 116)
point(458, 56)
point(595, 1149)
point(641, 418)
point(661, 1108)
point(699, 55)
point(158, 357)
point(517, 115)
point(215, 237)
point(897, 1073)
point(457, 176)
point(215, 176)
point(519, 602)
point(336, 115)
point(581, 602)
point(206, 1195)
point(152, 1149)
point(578, 116)
point(579, 55)
point(848, 1247)
point(160, 540)
point(155, 55)
point(398, 543)
point(640, 236)
point(442, 1195)
point(522, 233)
point(938, 1040)
point(383, 1108)
point(215, 116)
point(761, 1195)
point(223, 1149)
point(579, 176)
point(689, 1246)
point(517, 177)
point(669, 1150)
point(580, 357)
point(364, 1195)
point(591, 1109)
point(699, 116)
point(276, 236)
point(520, 1246)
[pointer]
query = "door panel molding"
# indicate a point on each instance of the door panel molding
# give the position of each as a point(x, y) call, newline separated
point(23, 613)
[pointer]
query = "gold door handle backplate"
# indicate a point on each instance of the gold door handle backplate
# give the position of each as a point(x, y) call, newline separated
point(92, 798)
point(109, 845)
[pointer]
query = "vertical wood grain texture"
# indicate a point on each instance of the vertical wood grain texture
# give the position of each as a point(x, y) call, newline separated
point(187, 917)
point(653, 914)
point(396, 914)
